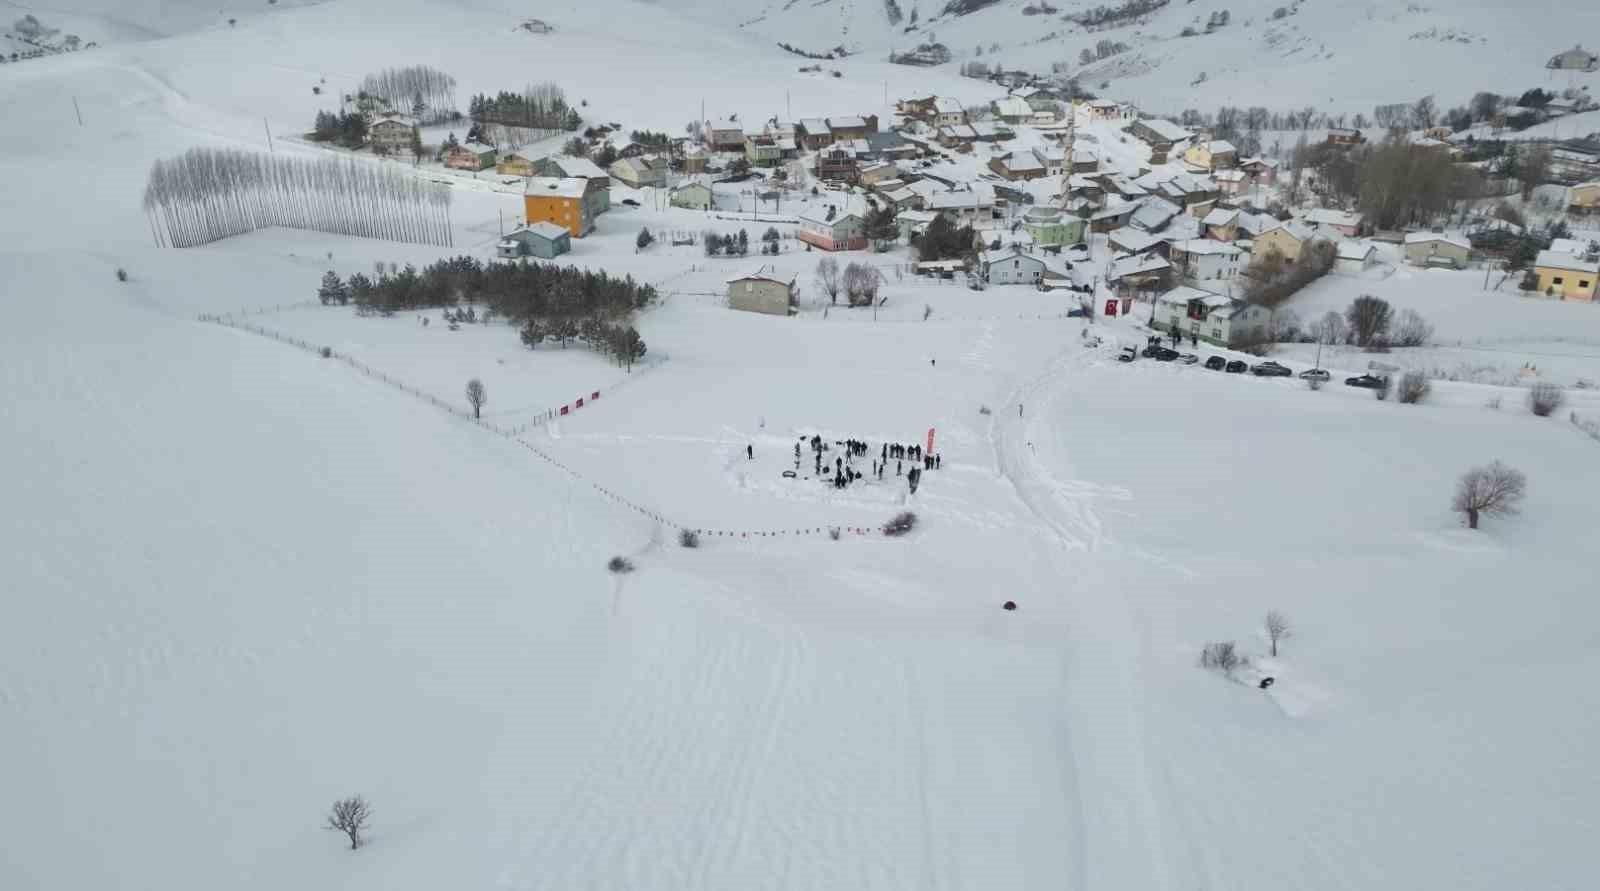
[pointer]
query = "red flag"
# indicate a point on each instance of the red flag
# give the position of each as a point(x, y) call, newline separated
point(930, 441)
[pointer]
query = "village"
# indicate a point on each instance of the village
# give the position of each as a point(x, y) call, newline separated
point(1038, 188)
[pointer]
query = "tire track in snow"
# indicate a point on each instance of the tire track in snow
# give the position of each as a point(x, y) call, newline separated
point(1122, 846)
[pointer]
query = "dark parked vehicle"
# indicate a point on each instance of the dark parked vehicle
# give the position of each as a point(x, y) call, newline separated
point(630, 202)
point(1237, 366)
point(1216, 363)
point(1270, 369)
point(1162, 354)
point(1315, 374)
point(1367, 381)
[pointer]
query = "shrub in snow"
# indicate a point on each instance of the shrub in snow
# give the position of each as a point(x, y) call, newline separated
point(1412, 330)
point(620, 565)
point(984, 410)
point(1493, 489)
point(1414, 387)
point(689, 538)
point(834, 533)
point(902, 523)
point(326, 352)
point(1545, 398)
point(122, 274)
point(1223, 657)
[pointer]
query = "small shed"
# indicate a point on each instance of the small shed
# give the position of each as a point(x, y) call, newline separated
point(694, 195)
point(544, 240)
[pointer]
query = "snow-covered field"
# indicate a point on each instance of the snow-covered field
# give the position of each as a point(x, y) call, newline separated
point(242, 580)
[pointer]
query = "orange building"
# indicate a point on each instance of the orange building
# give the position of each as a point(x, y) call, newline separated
point(570, 202)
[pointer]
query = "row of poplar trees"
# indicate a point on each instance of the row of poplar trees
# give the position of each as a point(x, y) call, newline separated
point(208, 194)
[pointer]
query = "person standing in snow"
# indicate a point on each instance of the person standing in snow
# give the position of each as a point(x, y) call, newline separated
point(750, 453)
point(938, 461)
point(897, 468)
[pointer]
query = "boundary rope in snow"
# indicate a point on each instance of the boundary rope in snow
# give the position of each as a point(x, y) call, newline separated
point(514, 435)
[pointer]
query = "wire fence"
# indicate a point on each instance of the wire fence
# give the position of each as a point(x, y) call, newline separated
point(514, 435)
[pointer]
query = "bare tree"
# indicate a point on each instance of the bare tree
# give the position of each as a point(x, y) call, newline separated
point(1330, 328)
point(1277, 625)
point(1544, 398)
point(350, 816)
point(1533, 170)
point(476, 397)
point(1412, 330)
point(1368, 318)
point(1414, 387)
point(1494, 489)
point(828, 278)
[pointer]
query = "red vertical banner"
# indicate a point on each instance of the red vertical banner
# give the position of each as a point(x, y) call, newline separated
point(564, 409)
point(930, 441)
point(580, 403)
point(595, 395)
point(1111, 307)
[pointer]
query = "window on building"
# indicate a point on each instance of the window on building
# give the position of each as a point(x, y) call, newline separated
point(1583, 283)
point(1556, 281)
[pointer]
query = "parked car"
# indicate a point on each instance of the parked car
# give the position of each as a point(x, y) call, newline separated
point(1270, 369)
point(1128, 354)
point(1163, 354)
point(1315, 374)
point(1216, 363)
point(1367, 381)
point(1237, 366)
point(630, 202)
point(1188, 358)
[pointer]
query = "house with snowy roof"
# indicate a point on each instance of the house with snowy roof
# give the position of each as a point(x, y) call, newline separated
point(763, 291)
point(1215, 318)
point(1287, 238)
point(1211, 154)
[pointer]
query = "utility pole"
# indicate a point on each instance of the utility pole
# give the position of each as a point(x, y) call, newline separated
point(78, 111)
point(269, 135)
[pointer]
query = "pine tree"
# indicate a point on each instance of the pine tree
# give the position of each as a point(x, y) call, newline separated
point(333, 291)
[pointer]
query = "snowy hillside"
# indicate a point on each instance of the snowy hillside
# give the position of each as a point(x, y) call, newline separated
point(1340, 57)
point(243, 579)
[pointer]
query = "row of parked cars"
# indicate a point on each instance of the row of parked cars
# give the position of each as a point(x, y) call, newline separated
point(1239, 366)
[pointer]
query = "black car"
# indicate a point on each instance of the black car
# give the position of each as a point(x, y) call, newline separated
point(1216, 363)
point(1270, 369)
point(1162, 354)
point(1367, 381)
point(630, 202)
point(1237, 366)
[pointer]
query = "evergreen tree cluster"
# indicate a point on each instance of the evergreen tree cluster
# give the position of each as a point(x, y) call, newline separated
point(348, 129)
point(943, 240)
point(618, 341)
point(731, 245)
point(1106, 16)
point(516, 291)
point(650, 137)
point(541, 106)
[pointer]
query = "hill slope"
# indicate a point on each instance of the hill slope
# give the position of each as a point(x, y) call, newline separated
point(1335, 56)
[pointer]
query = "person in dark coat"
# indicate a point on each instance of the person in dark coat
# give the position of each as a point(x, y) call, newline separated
point(938, 460)
point(897, 468)
point(750, 452)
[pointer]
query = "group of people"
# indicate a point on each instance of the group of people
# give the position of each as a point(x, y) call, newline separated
point(845, 471)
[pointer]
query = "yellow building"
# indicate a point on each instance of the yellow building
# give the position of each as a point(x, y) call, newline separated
point(1584, 198)
point(1211, 155)
point(1565, 276)
point(1286, 238)
point(561, 200)
point(514, 165)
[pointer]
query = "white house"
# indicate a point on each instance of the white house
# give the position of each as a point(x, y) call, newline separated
point(1010, 267)
point(1205, 259)
point(948, 112)
point(1206, 315)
